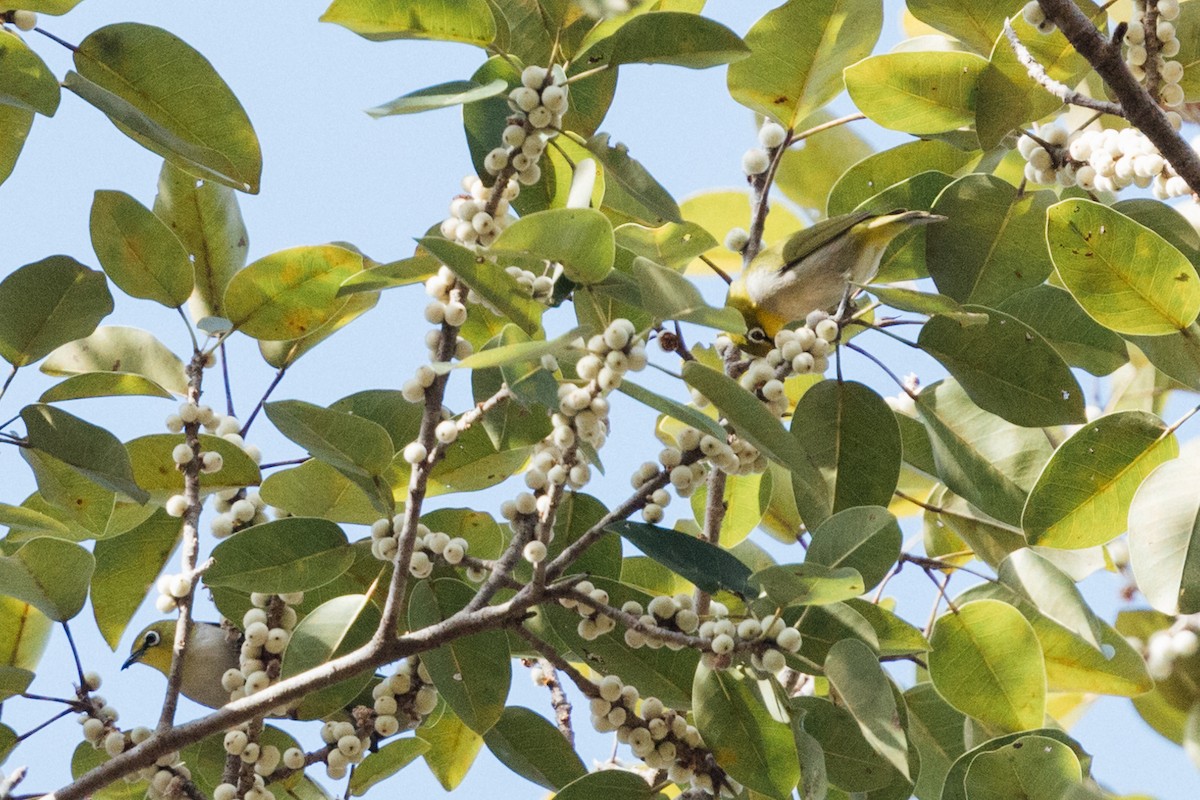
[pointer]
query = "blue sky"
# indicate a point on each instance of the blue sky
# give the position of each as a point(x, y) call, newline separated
point(332, 173)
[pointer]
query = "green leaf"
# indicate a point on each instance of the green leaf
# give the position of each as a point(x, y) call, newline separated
point(529, 745)
point(52, 7)
point(1083, 495)
point(759, 427)
point(581, 239)
point(167, 97)
point(990, 245)
point(917, 92)
point(293, 554)
point(206, 218)
point(1102, 257)
point(865, 538)
point(356, 446)
point(1164, 536)
point(467, 21)
point(282, 354)
point(102, 384)
point(1080, 340)
point(669, 37)
point(896, 637)
point(852, 437)
point(155, 470)
point(48, 303)
point(753, 745)
point(993, 363)
point(974, 23)
point(138, 251)
point(936, 728)
point(315, 489)
point(13, 681)
point(472, 673)
point(444, 95)
point(332, 629)
point(1102, 664)
point(404, 272)
point(576, 515)
point(854, 672)
point(646, 197)
point(126, 568)
point(28, 520)
point(1051, 591)
point(26, 82)
point(490, 282)
point(14, 127)
point(927, 303)
point(24, 634)
point(452, 746)
point(85, 758)
point(66, 494)
point(49, 574)
point(853, 765)
point(745, 497)
point(667, 295)
point(91, 450)
point(1031, 768)
point(674, 245)
point(987, 663)
point(808, 584)
point(607, 784)
point(874, 173)
point(384, 763)
point(117, 349)
point(991, 463)
point(290, 294)
point(706, 565)
point(797, 54)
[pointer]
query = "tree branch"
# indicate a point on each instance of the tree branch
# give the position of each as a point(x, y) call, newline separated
point(1139, 107)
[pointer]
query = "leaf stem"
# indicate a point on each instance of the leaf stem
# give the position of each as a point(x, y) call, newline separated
point(261, 401)
point(7, 381)
point(824, 126)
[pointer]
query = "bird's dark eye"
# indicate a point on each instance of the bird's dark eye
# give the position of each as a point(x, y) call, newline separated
point(152, 638)
point(756, 335)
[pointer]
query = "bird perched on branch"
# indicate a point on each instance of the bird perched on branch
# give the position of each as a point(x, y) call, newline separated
point(814, 269)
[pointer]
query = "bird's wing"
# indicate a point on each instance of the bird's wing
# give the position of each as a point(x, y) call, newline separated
point(804, 243)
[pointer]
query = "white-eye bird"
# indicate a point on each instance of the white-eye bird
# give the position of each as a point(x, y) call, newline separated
point(210, 654)
point(812, 269)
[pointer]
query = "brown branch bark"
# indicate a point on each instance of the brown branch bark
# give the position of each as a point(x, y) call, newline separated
point(1140, 108)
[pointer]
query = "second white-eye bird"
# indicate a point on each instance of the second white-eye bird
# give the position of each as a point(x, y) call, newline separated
point(210, 654)
point(813, 268)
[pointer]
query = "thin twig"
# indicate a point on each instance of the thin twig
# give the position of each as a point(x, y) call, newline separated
point(1056, 88)
point(75, 655)
point(12, 373)
point(262, 401)
point(228, 384)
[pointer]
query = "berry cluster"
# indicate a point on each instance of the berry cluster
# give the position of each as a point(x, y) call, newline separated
point(1165, 647)
point(757, 160)
point(166, 775)
point(428, 547)
point(538, 104)
point(408, 695)
point(263, 758)
point(768, 639)
point(346, 745)
point(1140, 39)
point(258, 789)
point(470, 222)
point(172, 589)
point(672, 613)
point(594, 623)
point(1099, 160)
point(539, 287)
point(267, 630)
point(660, 736)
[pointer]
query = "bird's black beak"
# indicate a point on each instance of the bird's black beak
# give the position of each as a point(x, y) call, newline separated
point(135, 656)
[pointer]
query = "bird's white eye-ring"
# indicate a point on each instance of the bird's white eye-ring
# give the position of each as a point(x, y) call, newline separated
point(152, 638)
point(756, 335)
